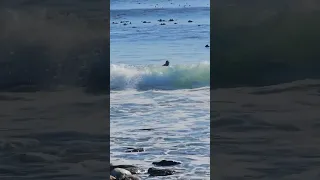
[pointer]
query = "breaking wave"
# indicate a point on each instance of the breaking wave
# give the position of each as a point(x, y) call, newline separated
point(43, 50)
point(123, 76)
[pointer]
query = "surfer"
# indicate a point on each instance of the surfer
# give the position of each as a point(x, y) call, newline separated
point(166, 64)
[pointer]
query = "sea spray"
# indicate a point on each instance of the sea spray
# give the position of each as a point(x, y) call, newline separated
point(179, 76)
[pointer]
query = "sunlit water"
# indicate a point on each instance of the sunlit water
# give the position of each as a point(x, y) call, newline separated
point(164, 110)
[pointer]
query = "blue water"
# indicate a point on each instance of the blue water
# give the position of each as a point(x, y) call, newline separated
point(173, 101)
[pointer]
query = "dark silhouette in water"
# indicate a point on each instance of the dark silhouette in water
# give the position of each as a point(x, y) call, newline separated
point(166, 64)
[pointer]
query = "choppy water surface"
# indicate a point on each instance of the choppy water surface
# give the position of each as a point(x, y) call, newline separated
point(162, 109)
point(267, 132)
point(49, 127)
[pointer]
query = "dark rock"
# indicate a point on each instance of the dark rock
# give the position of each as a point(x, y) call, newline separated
point(207, 45)
point(166, 163)
point(175, 23)
point(163, 24)
point(190, 21)
point(146, 129)
point(160, 172)
point(134, 150)
point(171, 20)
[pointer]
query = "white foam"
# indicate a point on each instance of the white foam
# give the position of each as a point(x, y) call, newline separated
point(124, 76)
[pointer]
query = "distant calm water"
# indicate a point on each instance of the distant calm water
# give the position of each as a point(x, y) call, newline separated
point(171, 101)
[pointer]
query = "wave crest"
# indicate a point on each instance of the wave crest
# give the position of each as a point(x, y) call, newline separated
point(124, 76)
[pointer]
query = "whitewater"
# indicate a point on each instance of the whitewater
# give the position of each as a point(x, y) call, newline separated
point(124, 76)
point(165, 110)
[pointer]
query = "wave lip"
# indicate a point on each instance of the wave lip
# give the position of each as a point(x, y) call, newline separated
point(124, 76)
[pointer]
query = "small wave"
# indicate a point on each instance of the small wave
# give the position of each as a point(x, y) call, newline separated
point(226, 74)
point(124, 76)
point(32, 57)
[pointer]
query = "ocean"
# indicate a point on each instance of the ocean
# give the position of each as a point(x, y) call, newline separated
point(265, 90)
point(55, 100)
point(52, 126)
point(165, 110)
